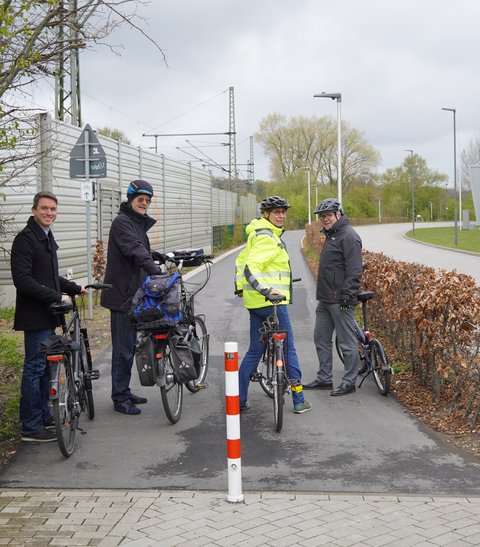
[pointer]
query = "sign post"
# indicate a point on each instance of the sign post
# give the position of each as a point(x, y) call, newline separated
point(87, 161)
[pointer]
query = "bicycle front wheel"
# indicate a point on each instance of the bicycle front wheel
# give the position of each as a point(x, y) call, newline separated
point(86, 380)
point(200, 333)
point(278, 389)
point(172, 391)
point(64, 412)
point(380, 367)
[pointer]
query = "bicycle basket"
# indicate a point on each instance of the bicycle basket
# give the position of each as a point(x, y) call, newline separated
point(186, 355)
point(145, 361)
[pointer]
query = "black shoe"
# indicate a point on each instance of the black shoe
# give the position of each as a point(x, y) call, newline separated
point(137, 400)
point(316, 384)
point(41, 436)
point(49, 424)
point(343, 389)
point(245, 406)
point(126, 407)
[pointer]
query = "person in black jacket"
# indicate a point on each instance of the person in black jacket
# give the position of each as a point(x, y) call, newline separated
point(338, 284)
point(34, 266)
point(129, 261)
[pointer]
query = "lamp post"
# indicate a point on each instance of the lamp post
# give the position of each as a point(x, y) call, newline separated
point(307, 169)
point(455, 223)
point(338, 97)
point(413, 189)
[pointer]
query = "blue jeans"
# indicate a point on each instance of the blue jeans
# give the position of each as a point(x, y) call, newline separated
point(330, 318)
point(124, 340)
point(34, 408)
point(255, 351)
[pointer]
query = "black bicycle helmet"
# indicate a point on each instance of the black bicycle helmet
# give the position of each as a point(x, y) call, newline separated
point(137, 187)
point(329, 205)
point(273, 202)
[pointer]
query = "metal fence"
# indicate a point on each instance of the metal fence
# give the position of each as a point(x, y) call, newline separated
point(187, 208)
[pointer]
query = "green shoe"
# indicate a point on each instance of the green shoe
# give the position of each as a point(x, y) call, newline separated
point(300, 408)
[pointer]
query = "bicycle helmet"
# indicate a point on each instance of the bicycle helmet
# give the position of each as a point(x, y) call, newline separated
point(329, 205)
point(273, 202)
point(137, 187)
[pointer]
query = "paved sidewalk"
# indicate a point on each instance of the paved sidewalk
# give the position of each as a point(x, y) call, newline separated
point(37, 517)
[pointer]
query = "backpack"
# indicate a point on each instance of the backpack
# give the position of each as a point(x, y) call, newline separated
point(156, 303)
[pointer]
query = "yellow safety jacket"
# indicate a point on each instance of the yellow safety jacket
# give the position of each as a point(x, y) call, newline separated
point(263, 265)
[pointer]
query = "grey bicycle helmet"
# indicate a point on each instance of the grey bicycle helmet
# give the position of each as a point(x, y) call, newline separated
point(329, 205)
point(273, 202)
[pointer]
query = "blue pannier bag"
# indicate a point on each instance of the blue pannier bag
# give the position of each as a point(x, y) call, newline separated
point(156, 303)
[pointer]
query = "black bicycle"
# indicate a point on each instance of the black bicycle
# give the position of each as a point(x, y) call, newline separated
point(164, 348)
point(373, 358)
point(71, 372)
point(272, 370)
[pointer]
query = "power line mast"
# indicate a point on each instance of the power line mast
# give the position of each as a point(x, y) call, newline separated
point(232, 160)
point(250, 168)
point(67, 76)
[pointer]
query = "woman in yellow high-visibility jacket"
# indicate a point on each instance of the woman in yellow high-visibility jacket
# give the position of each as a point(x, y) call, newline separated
point(263, 268)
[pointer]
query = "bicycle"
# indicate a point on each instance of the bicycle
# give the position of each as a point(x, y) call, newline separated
point(190, 332)
point(71, 372)
point(372, 354)
point(272, 369)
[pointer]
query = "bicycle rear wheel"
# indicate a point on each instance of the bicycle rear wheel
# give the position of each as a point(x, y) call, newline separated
point(278, 388)
point(200, 333)
point(264, 368)
point(64, 412)
point(172, 391)
point(380, 367)
point(86, 381)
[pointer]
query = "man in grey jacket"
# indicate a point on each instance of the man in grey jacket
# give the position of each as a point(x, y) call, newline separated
point(338, 284)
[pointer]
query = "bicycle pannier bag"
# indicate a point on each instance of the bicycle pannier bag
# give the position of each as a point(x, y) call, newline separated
point(158, 301)
point(145, 360)
point(186, 355)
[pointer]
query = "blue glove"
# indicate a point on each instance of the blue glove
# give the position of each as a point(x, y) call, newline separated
point(344, 305)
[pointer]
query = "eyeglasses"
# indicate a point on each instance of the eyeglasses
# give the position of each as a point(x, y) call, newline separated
point(143, 199)
point(326, 215)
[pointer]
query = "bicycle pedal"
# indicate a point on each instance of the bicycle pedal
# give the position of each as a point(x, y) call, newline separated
point(93, 374)
point(256, 377)
point(202, 386)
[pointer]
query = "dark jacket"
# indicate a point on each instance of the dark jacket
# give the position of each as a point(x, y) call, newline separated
point(340, 266)
point(129, 258)
point(34, 267)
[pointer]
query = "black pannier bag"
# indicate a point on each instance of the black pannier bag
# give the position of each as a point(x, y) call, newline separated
point(145, 360)
point(156, 304)
point(186, 355)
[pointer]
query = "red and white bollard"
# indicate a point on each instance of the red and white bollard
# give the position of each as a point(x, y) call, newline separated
point(232, 409)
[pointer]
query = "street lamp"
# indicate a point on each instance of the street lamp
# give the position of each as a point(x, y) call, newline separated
point(455, 229)
point(337, 96)
point(307, 169)
point(413, 189)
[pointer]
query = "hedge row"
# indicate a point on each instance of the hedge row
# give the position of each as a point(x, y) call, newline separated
point(430, 322)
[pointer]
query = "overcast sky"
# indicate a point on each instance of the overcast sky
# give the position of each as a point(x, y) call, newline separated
point(396, 64)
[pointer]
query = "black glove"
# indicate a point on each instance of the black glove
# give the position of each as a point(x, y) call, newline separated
point(159, 257)
point(344, 305)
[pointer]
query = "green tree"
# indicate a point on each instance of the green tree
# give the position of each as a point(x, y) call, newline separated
point(115, 134)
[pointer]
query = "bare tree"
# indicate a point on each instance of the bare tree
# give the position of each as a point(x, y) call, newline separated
point(470, 156)
point(312, 142)
point(31, 47)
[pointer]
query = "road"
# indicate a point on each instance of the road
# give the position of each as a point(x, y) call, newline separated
point(359, 443)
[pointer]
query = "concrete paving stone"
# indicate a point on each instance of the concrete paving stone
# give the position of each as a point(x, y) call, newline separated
point(253, 542)
point(4, 541)
point(69, 541)
point(13, 493)
point(432, 533)
point(351, 539)
point(254, 525)
point(446, 539)
point(378, 541)
point(472, 530)
point(72, 528)
point(320, 539)
point(460, 523)
point(431, 521)
point(408, 541)
point(450, 514)
point(110, 541)
point(77, 494)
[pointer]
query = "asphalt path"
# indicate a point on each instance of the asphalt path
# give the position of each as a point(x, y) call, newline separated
point(362, 442)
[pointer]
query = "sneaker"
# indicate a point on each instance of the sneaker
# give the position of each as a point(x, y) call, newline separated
point(41, 436)
point(49, 424)
point(300, 408)
point(137, 400)
point(126, 407)
point(245, 406)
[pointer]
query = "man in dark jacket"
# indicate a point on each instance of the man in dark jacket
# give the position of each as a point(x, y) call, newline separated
point(34, 267)
point(338, 284)
point(129, 261)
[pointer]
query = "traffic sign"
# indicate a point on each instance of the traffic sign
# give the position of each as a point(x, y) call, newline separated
point(88, 143)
